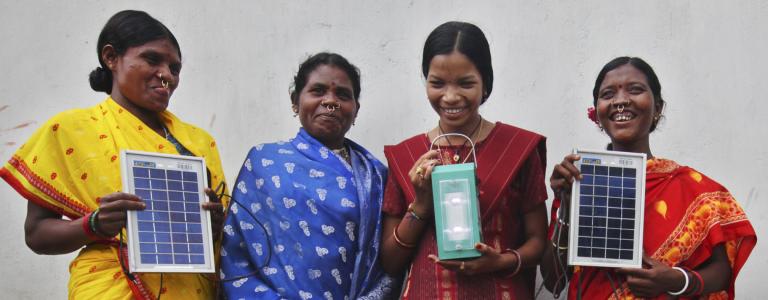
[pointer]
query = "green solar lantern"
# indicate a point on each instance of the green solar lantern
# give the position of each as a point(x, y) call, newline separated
point(457, 213)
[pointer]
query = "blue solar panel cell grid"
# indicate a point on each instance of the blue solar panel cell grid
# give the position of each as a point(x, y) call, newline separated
point(606, 216)
point(606, 212)
point(169, 228)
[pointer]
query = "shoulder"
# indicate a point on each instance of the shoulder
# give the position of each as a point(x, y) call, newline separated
point(690, 176)
point(73, 122)
point(507, 129)
point(265, 149)
point(194, 131)
point(416, 140)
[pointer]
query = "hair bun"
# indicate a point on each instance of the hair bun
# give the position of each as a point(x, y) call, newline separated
point(101, 80)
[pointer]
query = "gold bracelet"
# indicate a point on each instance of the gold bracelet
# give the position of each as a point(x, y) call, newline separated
point(400, 242)
point(413, 214)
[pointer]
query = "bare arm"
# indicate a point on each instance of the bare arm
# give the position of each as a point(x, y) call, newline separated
point(554, 267)
point(47, 233)
point(396, 256)
point(536, 234)
point(657, 278)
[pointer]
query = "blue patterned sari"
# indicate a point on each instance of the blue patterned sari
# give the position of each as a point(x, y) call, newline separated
point(317, 224)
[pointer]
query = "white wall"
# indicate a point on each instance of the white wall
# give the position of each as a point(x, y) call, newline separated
point(239, 57)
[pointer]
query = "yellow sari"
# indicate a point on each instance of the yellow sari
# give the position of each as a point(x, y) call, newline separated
point(74, 159)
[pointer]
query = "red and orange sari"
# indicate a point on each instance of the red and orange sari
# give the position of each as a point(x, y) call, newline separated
point(511, 163)
point(686, 215)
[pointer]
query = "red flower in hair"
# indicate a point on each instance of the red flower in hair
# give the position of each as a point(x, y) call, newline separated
point(592, 114)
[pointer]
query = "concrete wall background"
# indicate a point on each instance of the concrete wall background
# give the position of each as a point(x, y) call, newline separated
point(239, 57)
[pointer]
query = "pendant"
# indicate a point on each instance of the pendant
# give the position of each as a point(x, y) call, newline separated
point(456, 157)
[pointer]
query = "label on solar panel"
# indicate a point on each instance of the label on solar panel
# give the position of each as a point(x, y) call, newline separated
point(173, 233)
point(606, 217)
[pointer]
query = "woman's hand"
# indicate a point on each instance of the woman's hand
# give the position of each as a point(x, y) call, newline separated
point(492, 260)
point(657, 279)
point(112, 211)
point(563, 176)
point(421, 179)
point(217, 212)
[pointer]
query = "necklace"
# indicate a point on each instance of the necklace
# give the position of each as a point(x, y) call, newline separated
point(457, 151)
point(166, 133)
point(343, 152)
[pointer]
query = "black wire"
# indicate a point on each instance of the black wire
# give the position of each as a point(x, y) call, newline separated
point(613, 285)
point(120, 258)
point(266, 236)
point(125, 269)
point(561, 267)
point(160, 291)
point(578, 289)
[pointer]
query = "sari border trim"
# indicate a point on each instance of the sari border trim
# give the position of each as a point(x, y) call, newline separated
point(139, 291)
point(703, 200)
point(46, 188)
point(36, 182)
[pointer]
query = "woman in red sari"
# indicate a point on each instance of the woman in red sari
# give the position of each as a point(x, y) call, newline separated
point(696, 236)
point(510, 169)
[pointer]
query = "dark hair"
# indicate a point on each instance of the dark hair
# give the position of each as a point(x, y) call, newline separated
point(324, 58)
point(126, 29)
point(466, 38)
point(640, 64)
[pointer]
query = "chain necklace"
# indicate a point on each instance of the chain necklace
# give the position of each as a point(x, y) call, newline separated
point(457, 151)
point(343, 153)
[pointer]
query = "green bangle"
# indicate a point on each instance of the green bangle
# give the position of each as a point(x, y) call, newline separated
point(93, 223)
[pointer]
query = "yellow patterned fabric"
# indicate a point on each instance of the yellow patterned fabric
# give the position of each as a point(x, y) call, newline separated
point(74, 159)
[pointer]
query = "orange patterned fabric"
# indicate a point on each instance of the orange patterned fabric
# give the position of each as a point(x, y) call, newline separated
point(686, 215)
point(73, 159)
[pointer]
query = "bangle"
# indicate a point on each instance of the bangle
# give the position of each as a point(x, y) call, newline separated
point(93, 223)
point(519, 261)
point(86, 224)
point(400, 242)
point(685, 286)
point(699, 287)
point(557, 247)
point(413, 213)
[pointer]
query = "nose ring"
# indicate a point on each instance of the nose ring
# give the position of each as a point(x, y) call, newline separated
point(163, 82)
point(331, 107)
point(621, 108)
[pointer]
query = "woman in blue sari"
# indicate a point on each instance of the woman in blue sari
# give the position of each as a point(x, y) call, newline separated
point(306, 215)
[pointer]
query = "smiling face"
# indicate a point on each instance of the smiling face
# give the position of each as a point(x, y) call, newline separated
point(327, 106)
point(455, 90)
point(626, 108)
point(137, 84)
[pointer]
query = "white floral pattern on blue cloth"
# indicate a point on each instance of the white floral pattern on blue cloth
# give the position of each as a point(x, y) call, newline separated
point(322, 224)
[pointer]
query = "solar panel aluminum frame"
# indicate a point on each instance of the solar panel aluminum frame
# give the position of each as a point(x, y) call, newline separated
point(637, 254)
point(171, 162)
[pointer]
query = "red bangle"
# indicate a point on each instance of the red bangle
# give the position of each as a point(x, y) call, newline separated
point(87, 228)
point(700, 288)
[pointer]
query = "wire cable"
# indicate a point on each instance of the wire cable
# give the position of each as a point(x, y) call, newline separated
point(258, 270)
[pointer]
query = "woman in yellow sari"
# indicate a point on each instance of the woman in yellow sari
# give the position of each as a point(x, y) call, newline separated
point(70, 166)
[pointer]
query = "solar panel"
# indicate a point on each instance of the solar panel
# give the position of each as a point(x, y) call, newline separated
point(173, 233)
point(606, 227)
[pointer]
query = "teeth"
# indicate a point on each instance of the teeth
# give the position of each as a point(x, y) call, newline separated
point(623, 117)
point(453, 110)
